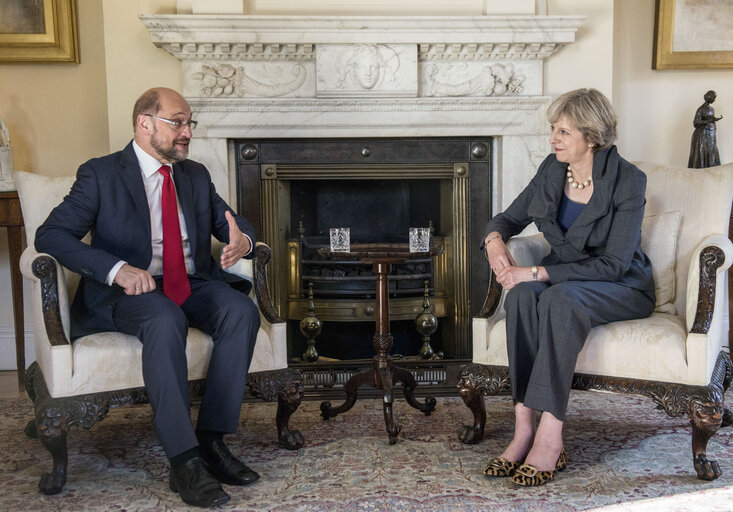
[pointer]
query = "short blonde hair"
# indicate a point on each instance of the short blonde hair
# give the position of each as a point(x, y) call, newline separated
point(591, 113)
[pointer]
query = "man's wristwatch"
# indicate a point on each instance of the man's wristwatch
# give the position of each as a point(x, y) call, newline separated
point(534, 273)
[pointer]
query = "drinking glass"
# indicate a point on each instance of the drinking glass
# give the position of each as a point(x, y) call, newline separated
point(340, 239)
point(419, 239)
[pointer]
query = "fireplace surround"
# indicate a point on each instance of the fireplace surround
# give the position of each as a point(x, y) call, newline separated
point(262, 78)
point(294, 190)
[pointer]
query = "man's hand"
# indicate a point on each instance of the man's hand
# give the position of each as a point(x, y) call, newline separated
point(135, 281)
point(238, 244)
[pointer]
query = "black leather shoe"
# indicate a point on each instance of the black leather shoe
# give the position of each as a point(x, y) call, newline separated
point(225, 466)
point(196, 486)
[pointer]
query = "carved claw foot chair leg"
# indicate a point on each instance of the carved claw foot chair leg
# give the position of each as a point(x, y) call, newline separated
point(474, 382)
point(54, 439)
point(468, 387)
point(706, 413)
point(286, 406)
point(706, 469)
point(286, 385)
point(53, 419)
point(50, 428)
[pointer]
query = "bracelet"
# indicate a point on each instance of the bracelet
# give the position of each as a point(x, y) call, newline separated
point(490, 239)
point(534, 273)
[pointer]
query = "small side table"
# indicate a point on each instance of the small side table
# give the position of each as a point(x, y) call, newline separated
point(384, 374)
point(12, 218)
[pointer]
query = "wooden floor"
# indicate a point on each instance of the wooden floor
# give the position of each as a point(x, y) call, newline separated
point(9, 385)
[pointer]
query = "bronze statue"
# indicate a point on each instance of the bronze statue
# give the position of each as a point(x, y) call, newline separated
point(703, 149)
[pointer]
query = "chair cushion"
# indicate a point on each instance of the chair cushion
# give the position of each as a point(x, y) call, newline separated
point(659, 243)
point(650, 348)
point(110, 361)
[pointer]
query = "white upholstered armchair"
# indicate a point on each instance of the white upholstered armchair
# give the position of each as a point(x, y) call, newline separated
point(679, 355)
point(75, 384)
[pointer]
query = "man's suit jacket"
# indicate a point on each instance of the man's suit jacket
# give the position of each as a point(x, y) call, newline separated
point(108, 198)
point(604, 243)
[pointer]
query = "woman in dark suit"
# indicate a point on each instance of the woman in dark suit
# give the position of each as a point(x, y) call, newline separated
point(588, 202)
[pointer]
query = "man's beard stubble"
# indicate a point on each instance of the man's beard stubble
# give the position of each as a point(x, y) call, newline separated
point(170, 153)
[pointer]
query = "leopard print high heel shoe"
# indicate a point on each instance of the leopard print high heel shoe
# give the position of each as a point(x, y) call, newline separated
point(501, 467)
point(528, 475)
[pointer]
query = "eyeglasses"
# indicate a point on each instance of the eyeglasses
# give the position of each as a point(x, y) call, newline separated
point(176, 124)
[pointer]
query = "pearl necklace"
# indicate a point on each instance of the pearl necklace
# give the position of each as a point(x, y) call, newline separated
point(576, 184)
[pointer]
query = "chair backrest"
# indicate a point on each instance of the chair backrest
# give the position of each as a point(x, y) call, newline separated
point(39, 195)
point(703, 198)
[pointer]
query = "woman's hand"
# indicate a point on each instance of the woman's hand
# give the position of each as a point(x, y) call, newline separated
point(509, 277)
point(498, 255)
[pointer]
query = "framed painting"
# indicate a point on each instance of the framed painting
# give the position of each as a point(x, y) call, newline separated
point(693, 34)
point(38, 31)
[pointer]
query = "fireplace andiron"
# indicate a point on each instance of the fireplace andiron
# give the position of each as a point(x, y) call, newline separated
point(311, 327)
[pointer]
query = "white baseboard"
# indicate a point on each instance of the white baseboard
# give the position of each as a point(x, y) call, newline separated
point(7, 348)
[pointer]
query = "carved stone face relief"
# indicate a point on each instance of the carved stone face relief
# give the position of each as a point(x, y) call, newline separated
point(367, 70)
point(368, 64)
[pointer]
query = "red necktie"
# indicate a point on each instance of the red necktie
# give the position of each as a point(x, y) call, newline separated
point(175, 281)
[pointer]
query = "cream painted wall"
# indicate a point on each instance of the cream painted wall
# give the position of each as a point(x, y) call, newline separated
point(587, 62)
point(56, 113)
point(57, 117)
point(372, 7)
point(656, 108)
point(61, 115)
point(133, 63)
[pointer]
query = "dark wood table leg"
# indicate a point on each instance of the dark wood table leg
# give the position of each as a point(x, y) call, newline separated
point(352, 386)
point(409, 383)
point(385, 380)
point(384, 375)
point(15, 246)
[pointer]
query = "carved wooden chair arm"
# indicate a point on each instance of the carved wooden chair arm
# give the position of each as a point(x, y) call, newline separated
point(45, 269)
point(263, 253)
point(712, 256)
point(493, 297)
point(527, 251)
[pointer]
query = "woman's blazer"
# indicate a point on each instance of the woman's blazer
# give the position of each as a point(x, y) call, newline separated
point(604, 243)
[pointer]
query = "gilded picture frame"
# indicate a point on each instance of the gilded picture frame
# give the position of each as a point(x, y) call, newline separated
point(692, 35)
point(38, 31)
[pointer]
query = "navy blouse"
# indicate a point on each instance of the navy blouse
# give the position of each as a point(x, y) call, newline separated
point(568, 213)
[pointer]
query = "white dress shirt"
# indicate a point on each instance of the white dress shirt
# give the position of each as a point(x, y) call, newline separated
point(153, 181)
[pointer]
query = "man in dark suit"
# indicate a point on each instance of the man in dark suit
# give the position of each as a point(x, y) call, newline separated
point(149, 272)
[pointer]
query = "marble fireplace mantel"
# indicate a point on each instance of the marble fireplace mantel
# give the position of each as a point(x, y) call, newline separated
point(367, 76)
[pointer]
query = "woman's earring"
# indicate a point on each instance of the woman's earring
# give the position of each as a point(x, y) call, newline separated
point(590, 144)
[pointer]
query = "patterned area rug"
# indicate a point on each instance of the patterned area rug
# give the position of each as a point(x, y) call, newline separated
point(623, 455)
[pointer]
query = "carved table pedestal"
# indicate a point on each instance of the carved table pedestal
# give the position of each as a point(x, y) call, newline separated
point(384, 375)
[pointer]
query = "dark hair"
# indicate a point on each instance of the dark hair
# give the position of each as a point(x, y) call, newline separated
point(148, 103)
point(591, 113)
